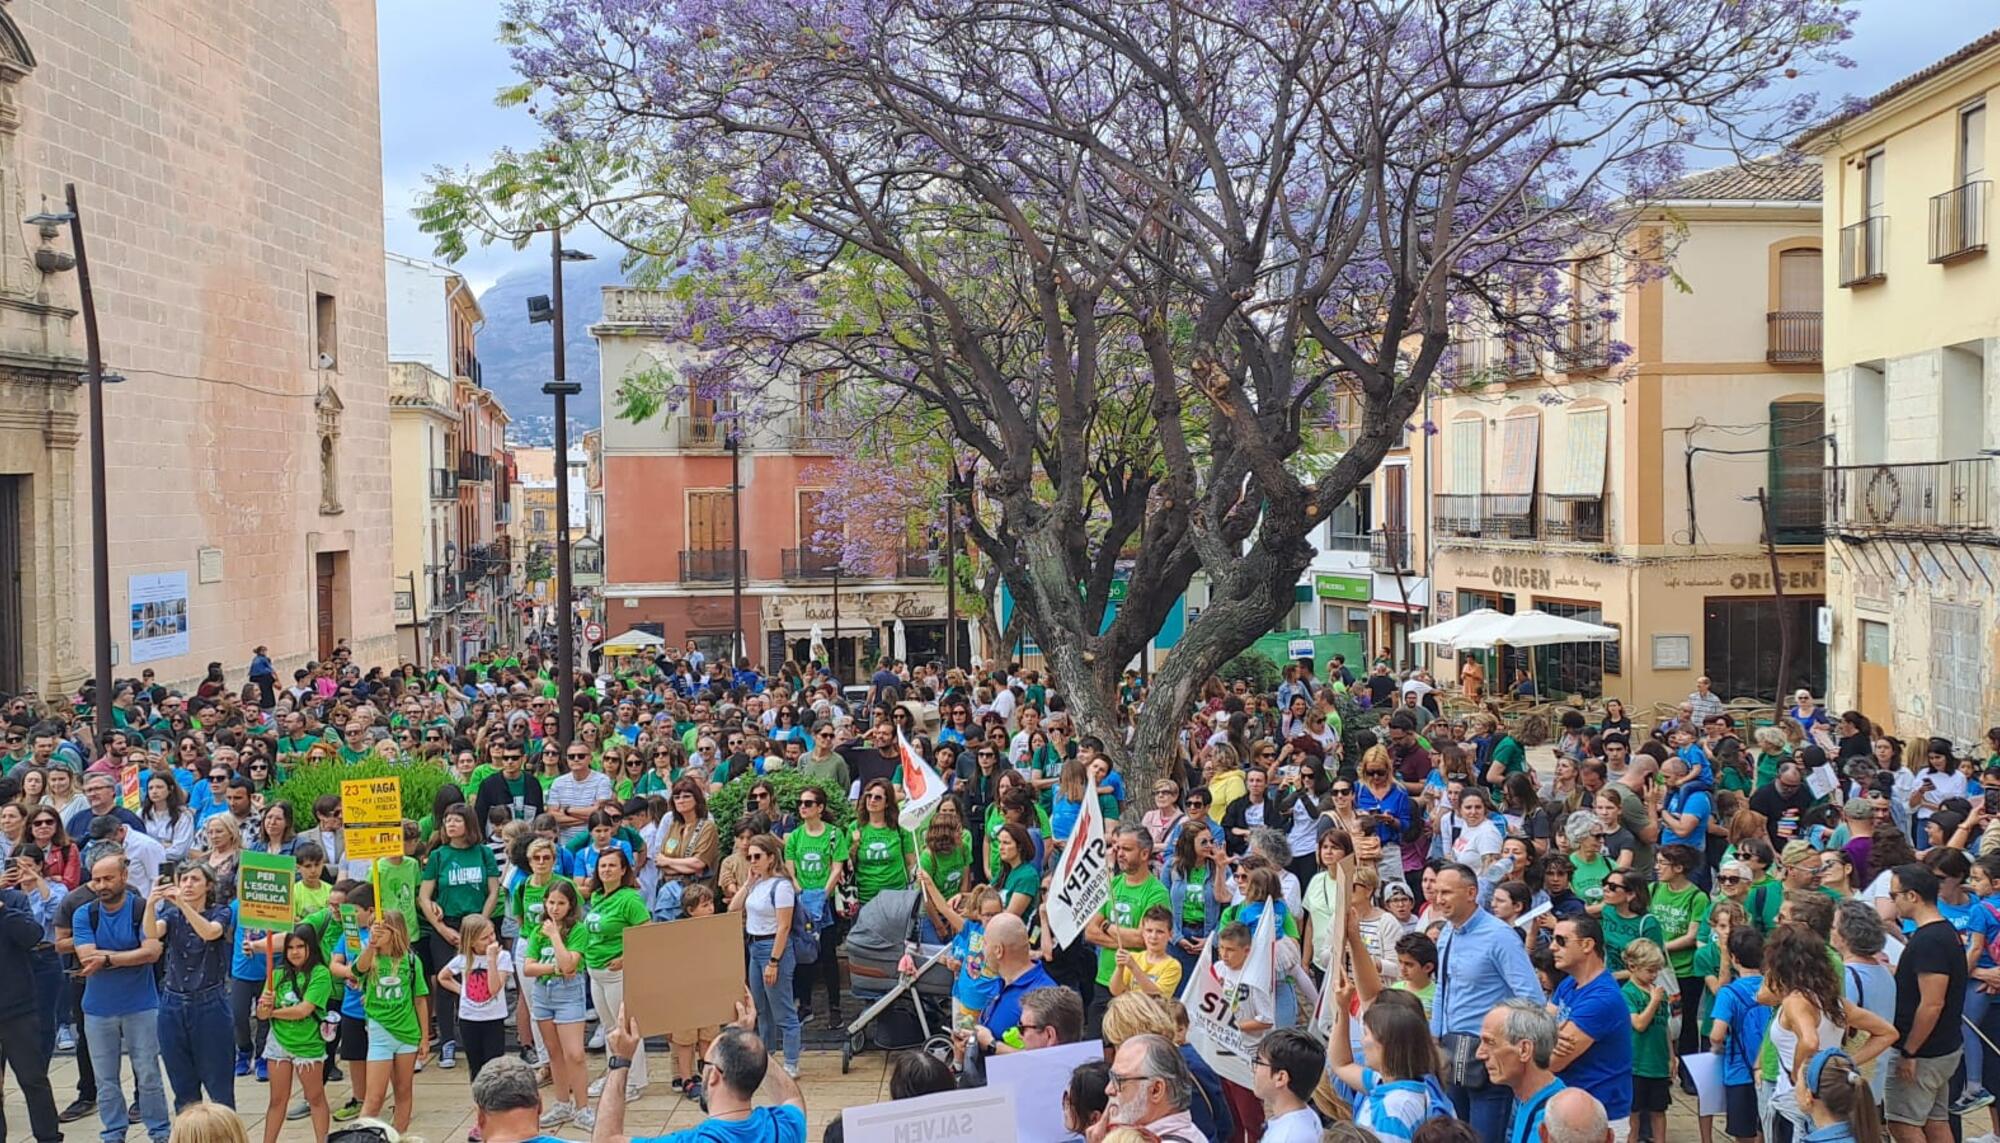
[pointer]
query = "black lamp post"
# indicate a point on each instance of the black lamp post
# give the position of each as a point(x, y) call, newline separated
point(542, 309)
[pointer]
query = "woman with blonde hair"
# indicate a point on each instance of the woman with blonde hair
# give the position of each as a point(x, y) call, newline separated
point(767, 900)
point(391, 979)
point(1772, 749)
point(1224, 771)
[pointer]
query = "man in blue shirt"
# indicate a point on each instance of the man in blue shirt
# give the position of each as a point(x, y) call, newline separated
point(1593, 1025)
point(734, 1068)
point(1481, 962)
point(1737, 1033)
point(100, 795)
point(1685, 813)
point(121, 1002)
point(1517, 1043)
point(1008, 954)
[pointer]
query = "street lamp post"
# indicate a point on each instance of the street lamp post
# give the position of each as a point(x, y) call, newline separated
point(562, 389)
point(951, 573)
point(735, 442)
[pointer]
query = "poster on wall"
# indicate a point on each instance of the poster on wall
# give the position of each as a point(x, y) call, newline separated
point(159, 615)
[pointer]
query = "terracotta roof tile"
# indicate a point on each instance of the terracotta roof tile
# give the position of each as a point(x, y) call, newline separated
point(1774, 181)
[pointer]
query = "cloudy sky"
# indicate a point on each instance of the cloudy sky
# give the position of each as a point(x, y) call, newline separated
point(441, 68)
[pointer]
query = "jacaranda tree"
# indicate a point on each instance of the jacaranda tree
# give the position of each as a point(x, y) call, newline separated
point(1126, 251)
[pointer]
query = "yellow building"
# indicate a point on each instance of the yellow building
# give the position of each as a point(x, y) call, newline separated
point(1623, 491)
point(1913, 313)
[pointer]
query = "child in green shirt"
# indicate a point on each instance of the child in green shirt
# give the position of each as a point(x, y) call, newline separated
point(1652, 1059)
point(393, 992)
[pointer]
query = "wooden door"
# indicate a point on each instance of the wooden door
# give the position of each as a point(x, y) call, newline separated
point(323, 576)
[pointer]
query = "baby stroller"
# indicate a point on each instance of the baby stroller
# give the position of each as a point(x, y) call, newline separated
point(898, 1010)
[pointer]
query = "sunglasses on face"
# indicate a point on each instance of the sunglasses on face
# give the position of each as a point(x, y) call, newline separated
point(1730, 879)
point(874, 798)
point(1343, 791)
point(808, 803)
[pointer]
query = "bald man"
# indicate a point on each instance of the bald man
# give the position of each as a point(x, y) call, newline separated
point(1009, 955)
point(1575, 1116)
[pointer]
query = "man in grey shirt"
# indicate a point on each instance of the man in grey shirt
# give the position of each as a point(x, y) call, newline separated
point(574, 796)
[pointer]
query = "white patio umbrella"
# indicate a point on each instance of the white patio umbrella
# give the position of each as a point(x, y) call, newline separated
point(632, 642)
point(901, 642)
point(1452, 631)
point(1533, 628)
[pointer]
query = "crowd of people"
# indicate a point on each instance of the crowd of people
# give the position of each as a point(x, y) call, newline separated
point(1799, 912)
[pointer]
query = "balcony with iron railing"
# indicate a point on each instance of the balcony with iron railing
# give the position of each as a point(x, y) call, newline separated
point(1389, 549)
point(444, 484)
point(1928, 498)
point(1345, 542)
point(1958, 221)
point(701, 432)
point(1861, 252)
point(1483, 515)
point(1471, 359)
point(1584, 349)
point(1574, 519)
point(916, 565)
point(475, 466)
point(806, 564)
point(1798, 511)
point(714, 565)
point(1792, 337)
point(1521, 362)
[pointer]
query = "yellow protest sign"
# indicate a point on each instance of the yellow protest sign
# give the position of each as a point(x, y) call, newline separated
point(373, 808)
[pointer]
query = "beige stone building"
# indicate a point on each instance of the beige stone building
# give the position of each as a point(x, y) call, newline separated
point(1621, 491)
point(1912, 341)
point(423, 459)
point(227, 160)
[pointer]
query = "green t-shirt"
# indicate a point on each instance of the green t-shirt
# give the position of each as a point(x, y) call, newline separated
point(995, 819)
point(1649, 1045)
point(1677, 910)
point(812, 858)
point(524, 904)
point(1733, 779)
point(486, 770)
point(389, 994)
point(1586, 878)
point(950, 872)
point(1763, 901)
point(1024, 880)
point(460, 875)
point(1128, 903)
point(605, 920)
point(300, 1037)
point(1512, 758)
point(399, 878)
point(880, 857)
point(1194, 908)
point(539, 949)
point(308, 899)
point(1620, 931)
point(1707, 963)
point(1767, 768)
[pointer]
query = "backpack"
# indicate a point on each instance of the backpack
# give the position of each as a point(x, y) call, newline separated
point(804, 939)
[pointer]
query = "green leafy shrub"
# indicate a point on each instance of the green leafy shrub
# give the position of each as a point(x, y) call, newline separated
point(726, 805)
point(1255, 668)
point(306, 783)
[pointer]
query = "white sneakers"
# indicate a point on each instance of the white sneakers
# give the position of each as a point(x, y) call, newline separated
point(558, 1115)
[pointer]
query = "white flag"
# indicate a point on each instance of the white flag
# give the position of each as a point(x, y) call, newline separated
point(1080, 883)
point(922, 788)
point(1217, 1007)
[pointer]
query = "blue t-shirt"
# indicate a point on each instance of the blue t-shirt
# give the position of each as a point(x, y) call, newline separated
point(1688, 801)
point(244, 966)
point(1605, 1068)
point(784, 1124)
point(1736, 1005)
point(352, 997)
point(975, 987)
point(115, 991)
point(1528, 1114)
point(1003, 1013)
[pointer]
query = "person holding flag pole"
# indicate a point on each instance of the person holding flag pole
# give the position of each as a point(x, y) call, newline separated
point(921, 786)
point(1231, 1001)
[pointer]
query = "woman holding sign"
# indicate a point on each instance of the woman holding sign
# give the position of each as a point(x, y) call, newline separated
point(300, 990)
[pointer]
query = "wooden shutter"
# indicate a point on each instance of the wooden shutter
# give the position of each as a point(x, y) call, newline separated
point(711, 526)
point(810, 500)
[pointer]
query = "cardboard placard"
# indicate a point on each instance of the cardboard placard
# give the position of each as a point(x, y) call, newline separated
point(264, 891)
point(373, 808)
point(685, 974)
point(981, 1115)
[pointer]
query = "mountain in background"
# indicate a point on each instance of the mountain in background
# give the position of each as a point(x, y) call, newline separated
point(515, 358)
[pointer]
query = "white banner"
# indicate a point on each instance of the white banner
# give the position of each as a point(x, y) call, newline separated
point(981, 1115)
point(1217, 1008)
point(922, 788)
point(1033, 1076)
point(1080, 883)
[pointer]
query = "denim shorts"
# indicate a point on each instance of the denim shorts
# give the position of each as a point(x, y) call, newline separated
point(558, 999)
point(276, 1053)
point(383, 1044)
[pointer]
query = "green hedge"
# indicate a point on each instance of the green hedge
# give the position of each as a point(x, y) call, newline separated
point(304, 784)
point(726, 805)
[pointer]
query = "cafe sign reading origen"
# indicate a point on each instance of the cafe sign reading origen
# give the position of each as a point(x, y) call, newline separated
point(1529, 579)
